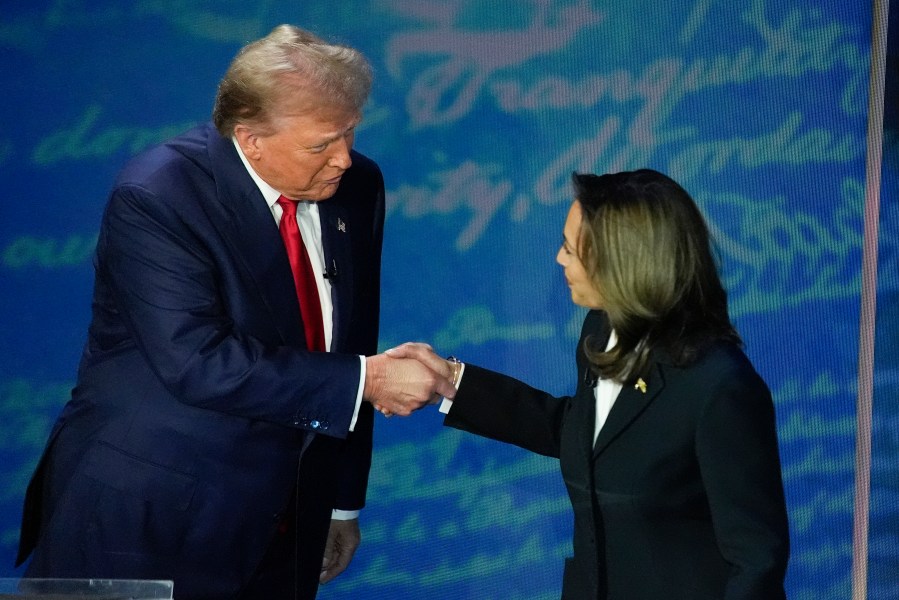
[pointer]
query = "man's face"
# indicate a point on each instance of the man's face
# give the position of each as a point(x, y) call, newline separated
point(308, 153)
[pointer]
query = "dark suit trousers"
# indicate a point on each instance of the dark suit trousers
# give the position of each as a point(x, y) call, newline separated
point(292, 563)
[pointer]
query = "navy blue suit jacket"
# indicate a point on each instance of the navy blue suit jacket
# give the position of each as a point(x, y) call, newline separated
point(680, 497)
point(196, 396)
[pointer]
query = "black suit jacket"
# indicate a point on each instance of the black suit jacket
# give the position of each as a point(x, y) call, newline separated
point(681, 495)
point(196, 396)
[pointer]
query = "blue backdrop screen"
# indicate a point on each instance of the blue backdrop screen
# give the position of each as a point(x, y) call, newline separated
point(479, 113)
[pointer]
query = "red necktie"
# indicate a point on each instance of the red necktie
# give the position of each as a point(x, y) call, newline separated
point(303, 277)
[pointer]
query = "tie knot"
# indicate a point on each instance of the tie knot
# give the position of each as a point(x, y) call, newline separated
point(288, 206)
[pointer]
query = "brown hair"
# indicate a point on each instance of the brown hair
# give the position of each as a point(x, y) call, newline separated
point(648, 251)
point(285, 69)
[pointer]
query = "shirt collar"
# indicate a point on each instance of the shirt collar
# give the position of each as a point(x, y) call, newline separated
point(270, 194)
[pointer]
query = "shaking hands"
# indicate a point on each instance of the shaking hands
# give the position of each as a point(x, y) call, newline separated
point(406, 378)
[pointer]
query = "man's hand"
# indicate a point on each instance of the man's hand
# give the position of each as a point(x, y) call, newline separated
point(343, 539)
point(401, 386)
point(424, 354)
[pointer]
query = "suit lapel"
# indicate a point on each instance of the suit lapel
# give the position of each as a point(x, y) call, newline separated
point(585, 404)
point(628, 407)
point(246, 222)
point(337, 231)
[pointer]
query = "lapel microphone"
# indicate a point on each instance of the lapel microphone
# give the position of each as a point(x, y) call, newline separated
point(589, 378)
point(331, 272)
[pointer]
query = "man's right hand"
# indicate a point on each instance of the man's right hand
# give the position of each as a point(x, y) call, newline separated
point(403, 385)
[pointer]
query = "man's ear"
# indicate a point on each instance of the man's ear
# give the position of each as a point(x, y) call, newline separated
point(248, 141)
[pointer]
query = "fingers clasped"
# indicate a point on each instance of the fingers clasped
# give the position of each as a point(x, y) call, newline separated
point(407, 378)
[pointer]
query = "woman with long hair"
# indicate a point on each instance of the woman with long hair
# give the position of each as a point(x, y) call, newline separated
point(668, 446)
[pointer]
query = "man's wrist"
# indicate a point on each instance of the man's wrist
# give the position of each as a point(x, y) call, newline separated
point(344, 515)
point(373, 370)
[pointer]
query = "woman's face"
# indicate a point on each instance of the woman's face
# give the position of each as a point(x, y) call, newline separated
point(583, 292)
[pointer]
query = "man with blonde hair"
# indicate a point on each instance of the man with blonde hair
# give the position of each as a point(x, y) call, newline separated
point(219, 434)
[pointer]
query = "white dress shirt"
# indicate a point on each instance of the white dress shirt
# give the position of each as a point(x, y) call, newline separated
point(605, 393)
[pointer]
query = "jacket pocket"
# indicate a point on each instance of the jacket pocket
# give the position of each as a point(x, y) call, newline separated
point(139, 478)
point(142, 518)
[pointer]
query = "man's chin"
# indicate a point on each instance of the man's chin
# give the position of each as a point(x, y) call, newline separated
point(322, 192)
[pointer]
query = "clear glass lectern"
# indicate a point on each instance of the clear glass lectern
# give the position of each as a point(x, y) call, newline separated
point(85, 589)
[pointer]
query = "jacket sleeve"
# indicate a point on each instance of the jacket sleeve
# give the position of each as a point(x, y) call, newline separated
point(161, 279)
point(502, 408)
point(736, 445)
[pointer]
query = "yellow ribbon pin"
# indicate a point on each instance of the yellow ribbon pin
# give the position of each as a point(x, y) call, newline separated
point(640, 385)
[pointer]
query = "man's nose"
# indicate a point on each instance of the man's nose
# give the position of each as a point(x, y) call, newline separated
point(340, 157)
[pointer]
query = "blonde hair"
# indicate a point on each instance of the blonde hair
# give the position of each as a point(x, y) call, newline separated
point(289, 69)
